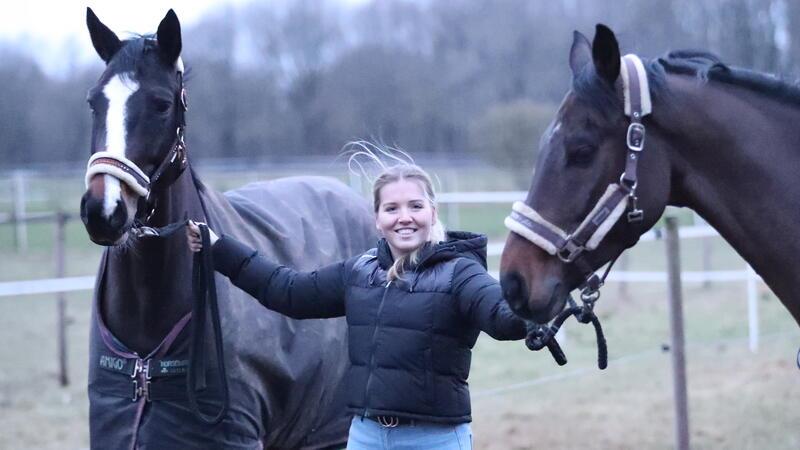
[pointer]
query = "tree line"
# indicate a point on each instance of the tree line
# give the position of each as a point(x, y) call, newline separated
point(480, 78)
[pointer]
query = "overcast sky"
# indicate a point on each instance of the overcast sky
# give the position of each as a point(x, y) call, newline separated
point(56, 30)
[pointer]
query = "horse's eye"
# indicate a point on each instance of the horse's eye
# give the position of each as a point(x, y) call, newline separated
point(161, 106)
point(580, 155)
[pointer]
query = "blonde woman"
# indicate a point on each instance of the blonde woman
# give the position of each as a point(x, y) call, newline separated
point(414, 306)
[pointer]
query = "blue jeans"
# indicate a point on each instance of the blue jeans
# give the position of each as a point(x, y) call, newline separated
point(366, 434)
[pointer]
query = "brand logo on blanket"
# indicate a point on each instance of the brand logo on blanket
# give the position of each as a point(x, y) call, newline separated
point(112, 363)
point(173, 366)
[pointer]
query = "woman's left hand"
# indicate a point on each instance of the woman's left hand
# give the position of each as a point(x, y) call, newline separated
point(194, 238)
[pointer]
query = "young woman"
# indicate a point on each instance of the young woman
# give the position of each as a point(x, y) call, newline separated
point(414, 307)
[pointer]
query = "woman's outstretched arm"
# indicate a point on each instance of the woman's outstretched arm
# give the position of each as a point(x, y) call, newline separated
point(300, 295)
point(480, 300)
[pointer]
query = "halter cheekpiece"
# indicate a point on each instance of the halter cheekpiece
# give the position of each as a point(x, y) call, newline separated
point(616, 200)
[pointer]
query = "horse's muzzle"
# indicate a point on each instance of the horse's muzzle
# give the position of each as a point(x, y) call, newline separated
point(539, 307)
point(103, 229)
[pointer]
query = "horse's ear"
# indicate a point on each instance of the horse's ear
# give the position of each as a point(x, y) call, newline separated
point(580, 54)
point(605, 54)
point(103, 39)
point(169, 38)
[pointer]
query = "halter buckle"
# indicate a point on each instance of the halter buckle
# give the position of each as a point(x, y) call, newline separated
point(635, 137)
point(628, 184)
point(589, 296)
point(144, 231)
point(635, 215)
point(569, 251)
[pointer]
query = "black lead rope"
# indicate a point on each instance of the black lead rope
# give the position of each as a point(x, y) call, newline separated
point(205, 288)
point(541, 336)
point(204, 291)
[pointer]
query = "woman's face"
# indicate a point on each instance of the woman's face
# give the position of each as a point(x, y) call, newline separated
point(405, 216)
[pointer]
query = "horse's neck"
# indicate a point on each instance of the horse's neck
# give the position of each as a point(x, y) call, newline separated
point(737, 167)
point(147, 285)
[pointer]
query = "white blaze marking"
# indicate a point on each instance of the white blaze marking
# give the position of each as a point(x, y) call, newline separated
point(117, 91)
point(112, 195)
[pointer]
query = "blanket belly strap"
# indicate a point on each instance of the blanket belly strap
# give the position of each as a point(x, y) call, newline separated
point(172, 389)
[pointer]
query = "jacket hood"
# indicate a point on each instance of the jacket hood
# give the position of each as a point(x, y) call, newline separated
point(456, 244)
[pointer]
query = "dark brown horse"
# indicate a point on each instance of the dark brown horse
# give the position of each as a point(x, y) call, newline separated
point(722, 141)
point(284, 376)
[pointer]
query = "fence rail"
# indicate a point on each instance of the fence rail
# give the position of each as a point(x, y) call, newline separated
point(60, 285)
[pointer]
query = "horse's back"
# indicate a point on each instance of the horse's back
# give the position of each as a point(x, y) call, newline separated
point(310, 220)
point(290, 371)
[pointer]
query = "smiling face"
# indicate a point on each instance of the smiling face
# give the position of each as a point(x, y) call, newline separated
point(404, 216)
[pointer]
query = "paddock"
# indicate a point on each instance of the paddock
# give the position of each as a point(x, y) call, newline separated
point(738, 397)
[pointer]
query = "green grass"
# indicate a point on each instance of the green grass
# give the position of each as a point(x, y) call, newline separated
point(737, 399)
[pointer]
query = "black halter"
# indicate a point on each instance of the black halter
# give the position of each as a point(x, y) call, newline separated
point(571, 248)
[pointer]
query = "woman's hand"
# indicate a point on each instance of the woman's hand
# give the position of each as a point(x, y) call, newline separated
point(193, 236)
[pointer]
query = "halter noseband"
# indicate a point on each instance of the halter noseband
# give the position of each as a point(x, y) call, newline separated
point(173, 164)
point(619, 197)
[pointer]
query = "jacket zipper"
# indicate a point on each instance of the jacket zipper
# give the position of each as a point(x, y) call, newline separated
point(374, 348)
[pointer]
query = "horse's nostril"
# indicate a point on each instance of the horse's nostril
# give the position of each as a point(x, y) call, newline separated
point(102, 229)
point(118, 217)
point(513, 291)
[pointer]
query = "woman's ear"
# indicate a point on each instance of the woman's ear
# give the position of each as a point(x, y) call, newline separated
point(435, 215)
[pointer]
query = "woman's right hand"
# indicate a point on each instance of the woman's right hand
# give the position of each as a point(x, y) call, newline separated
point(194, 238)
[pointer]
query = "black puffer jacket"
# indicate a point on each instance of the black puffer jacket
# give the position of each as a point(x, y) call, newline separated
point(409, 340)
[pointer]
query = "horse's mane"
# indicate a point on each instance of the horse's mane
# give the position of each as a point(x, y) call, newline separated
point(702, 64)
point(709, 68)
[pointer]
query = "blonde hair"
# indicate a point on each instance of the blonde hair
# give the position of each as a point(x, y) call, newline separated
point(395, 165)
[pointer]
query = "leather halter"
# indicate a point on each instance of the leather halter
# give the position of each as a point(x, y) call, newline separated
point(571, 247)
point(619, 197)
point(125, 170)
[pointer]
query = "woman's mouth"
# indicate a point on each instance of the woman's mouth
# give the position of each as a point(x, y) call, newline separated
point(405, 231)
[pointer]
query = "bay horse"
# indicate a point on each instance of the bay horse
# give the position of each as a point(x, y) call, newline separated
point(283, 377)
point(633, 136)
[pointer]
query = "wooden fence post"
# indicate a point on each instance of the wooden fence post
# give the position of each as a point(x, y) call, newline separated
point(624, 265)
point(752, 308)
point(60, 252)
point(18, 212)
point(678, 344)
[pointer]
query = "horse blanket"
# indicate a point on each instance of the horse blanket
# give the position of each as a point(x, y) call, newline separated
point(284, 375)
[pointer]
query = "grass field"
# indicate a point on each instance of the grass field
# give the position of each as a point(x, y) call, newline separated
point(521, 400)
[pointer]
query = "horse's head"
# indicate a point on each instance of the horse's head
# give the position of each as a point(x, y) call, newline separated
point(137, 110)
point(577, 190)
